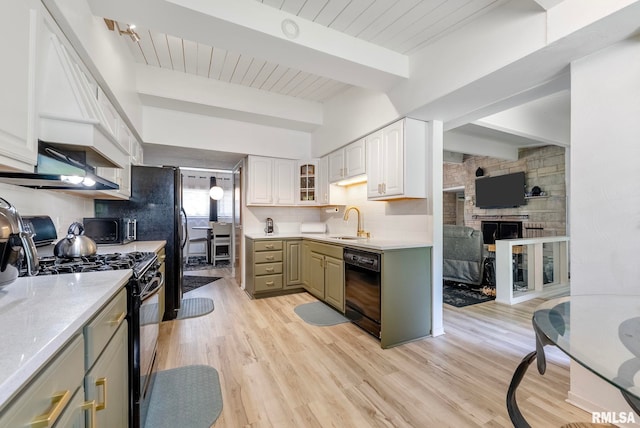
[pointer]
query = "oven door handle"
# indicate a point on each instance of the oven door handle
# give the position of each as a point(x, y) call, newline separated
point(154, 286)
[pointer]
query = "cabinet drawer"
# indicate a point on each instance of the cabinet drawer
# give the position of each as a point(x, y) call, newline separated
point(268, 257)
point(334, 251)
point(98, 332)
point(51, 391)
point(268, 268)
point(269, 282)
point(268, 245)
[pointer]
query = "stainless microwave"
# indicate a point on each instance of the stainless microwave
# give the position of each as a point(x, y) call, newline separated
point(110, 230)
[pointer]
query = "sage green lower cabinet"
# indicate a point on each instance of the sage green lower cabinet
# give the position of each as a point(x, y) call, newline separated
point(324, 272)
point(74, 416)
point(106, 382)
point(47, 397)
point(86, 384)
point(334, 282)
point(293, 263)
point(406, 295)
point(315, 284)
point(272, 267)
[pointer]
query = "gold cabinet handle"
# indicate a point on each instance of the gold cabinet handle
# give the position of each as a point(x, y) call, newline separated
point(384, 187)
point(119, 319)
point(269, 247)
point(269, 257)
point(269, 283)
point(102, 381)
point(269, 269)
point(91, 406)
point(59, 402)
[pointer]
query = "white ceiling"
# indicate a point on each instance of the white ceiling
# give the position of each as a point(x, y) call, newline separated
point(341, 44)
point(402, 26)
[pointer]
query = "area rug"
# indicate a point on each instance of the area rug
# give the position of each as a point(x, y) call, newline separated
point(191, 282)
point(461, 296)
point(195, 307)
point(200, 263)
point(317, 313)
point(185, 397)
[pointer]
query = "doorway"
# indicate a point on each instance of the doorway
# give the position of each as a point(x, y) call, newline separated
point(237, 223)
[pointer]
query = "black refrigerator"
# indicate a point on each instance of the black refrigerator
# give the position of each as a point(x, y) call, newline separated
point(156, 204)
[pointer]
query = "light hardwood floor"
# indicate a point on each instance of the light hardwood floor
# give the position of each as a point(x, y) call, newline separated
point(277, 371)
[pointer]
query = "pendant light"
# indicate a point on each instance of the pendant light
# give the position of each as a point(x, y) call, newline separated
point(216, 191)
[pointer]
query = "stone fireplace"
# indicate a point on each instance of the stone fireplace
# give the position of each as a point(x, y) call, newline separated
point(493, 230)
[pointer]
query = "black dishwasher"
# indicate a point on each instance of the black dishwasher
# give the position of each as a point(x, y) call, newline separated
point(363, 289)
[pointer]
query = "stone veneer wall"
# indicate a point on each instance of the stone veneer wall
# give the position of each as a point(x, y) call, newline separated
point(544, 167)
point(449, 212)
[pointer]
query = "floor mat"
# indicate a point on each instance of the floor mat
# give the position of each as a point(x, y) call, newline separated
point(185, 397)
point(200, 263)
point(194, 307)
point(461, 296)
point(191, 282)
point(317, 313)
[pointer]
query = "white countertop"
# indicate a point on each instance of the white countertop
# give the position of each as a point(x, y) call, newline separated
point(143, 246)
point(364, 243)
point(40, 314)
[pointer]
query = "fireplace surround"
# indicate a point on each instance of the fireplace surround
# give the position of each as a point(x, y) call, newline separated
point(493, 230)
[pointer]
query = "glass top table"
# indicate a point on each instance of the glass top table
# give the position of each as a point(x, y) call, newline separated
point(600, 332)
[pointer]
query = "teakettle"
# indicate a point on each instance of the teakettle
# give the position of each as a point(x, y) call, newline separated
point(15, 243)
point(75, 244)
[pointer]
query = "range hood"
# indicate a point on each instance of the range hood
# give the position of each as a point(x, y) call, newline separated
point(59, 170)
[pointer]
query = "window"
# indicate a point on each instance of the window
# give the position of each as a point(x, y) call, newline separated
point(195, 194)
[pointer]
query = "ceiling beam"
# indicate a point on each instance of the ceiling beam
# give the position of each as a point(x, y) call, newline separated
point(195, 94)
point(455, 141)
point(251, 28)
point(548, 4)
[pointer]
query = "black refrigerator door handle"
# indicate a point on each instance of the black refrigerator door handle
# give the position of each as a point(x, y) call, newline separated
point(185, 234)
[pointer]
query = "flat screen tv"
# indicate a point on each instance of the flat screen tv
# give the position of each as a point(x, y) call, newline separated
point(503, 191)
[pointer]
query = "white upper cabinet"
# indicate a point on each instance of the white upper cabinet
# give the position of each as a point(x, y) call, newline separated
point(284, 181)
point(347, 162)
point(396, 159)
point(260, 175)
point(308, 180)
point(327, 193)
point(19, 35)
point(272, 181)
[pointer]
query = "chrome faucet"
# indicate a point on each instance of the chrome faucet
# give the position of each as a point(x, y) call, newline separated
point(361, 232)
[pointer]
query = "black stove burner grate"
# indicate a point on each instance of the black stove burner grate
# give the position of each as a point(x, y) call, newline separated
point(99, 262)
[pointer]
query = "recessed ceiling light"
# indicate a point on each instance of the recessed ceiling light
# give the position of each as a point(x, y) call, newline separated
point(290, 28)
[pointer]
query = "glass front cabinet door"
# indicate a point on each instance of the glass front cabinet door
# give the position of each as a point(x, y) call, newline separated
point(307, 182)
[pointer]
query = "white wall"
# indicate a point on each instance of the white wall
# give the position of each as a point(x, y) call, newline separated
point(351, 115)
point(63, 208)
point(605, 197)
point(177, 128)
point(403, 219)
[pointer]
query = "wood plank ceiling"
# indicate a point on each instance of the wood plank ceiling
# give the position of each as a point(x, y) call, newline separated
point(403, 26)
